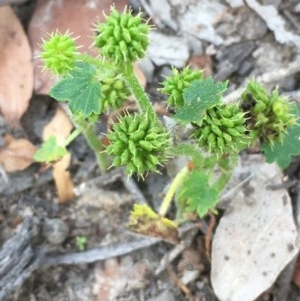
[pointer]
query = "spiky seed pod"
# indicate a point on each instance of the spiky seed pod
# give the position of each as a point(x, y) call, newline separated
point(139, 142)
point(123, 37)
point(222, 131)
point(114, 91)
point(59, 53)
point(175, 84)
point(268, 115)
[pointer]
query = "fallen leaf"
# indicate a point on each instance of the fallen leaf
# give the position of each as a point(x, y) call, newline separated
point(63, 180)
point(16, 70)
point(296, 275)
point(17, 154)
point(256, 237)
point(201, 62)
point(77, 17)
point(116, 278)
point(60, 127)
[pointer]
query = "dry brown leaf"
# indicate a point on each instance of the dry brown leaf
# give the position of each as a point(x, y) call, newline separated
point(296, 275)
point(77, 17)
point(63, 180)
point(256, 237)
point(17, 154)
point(16, 71)
point(61, 126)
point(201, 62)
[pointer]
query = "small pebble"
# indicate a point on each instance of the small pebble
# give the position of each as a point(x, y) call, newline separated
point(55, 230)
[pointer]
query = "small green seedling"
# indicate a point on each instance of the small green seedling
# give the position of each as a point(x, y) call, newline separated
point(80, 242)
point(141, 142)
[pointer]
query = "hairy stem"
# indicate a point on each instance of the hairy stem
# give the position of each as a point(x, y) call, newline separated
point(138, 91)
point(172, 190)
point(88, 130)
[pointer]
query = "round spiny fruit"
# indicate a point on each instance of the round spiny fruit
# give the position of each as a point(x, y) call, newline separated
point(175, 84)
point(114, 91)
point(123, 37)
point(139, 142)
point(268, 115)
point(222, 130)
point(59, 53)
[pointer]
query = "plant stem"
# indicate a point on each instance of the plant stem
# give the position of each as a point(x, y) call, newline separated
point(96, 62)
point(88, 130)
point(222, 181)
point(138, 91)
point(171, 191)
point(72, 136)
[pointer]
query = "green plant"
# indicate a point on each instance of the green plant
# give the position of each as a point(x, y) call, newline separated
point(140, 141)
point(80, 242)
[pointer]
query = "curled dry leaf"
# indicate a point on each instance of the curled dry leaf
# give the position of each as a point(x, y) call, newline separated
point(16, 71)
point(17, 154)
point(77, 17)
point(60, 127)
point(256, 237)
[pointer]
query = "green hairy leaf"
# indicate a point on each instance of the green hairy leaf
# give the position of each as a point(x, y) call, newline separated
point(198, 97)
point(198, 195)
point(81, 89)
point(281, 152)
point(50, 151)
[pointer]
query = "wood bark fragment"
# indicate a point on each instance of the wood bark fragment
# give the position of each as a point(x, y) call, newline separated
point(19, 258)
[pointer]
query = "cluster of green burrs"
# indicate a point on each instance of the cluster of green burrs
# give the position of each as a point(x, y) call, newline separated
point(269, 115)
point(139, 142)
point(175, 84)
point(59, 53)
point(222, 130)
point(114, 91)
point(123, 38)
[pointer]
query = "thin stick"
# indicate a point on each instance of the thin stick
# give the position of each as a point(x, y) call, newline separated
point(101, 253)
point(209, 234)
point(134, 190)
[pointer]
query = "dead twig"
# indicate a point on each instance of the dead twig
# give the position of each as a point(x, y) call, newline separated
point(177, 250)
point(18, 259)
point(98, 254)
point(177, 281)
point(209, 234)
point(134, 190)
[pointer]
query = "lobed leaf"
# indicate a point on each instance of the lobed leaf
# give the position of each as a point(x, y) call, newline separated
point(50, 151)
point(81, 89)
point(198, 194)
point(198, 97)
point(281, 152)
